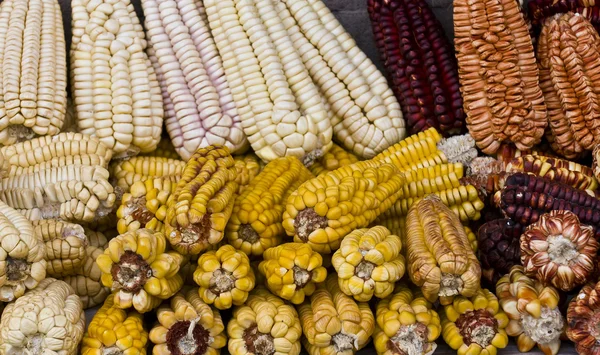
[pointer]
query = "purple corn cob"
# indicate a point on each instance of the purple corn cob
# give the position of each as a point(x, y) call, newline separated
point(420, 63)
point(499, 249)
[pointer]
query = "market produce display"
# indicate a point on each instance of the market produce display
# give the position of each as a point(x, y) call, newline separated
point(288, 206)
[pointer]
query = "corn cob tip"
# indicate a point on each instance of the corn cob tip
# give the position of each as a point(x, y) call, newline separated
point(411, 339)
point(132, 271)
point(257, 342)
point(477, 326)
point(187, 337)
point(307, 221)
point(459, 149)
point(546, 328)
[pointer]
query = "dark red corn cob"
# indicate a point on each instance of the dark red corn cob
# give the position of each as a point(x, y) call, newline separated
point(499, 249)
point(420, 63)
point(538, 10)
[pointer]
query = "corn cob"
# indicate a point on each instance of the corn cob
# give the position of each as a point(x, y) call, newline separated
point(87, 281)
point(248, 167)
point(334, 323)
point(70, 122)
point(139, 271)
point(46, 320)
point(559, 170)
point(369, 263)
point(475, 325)
point(22, 255)
point(115, 89)
point(224, 277)
point(334, 159)
point(99, 239)
point(145, 205)
point(440, 259)
point(115, 331)
point(255, 223)
point(164, 149)
point(499, 248)
point(532, 310)
point(292, 270)
point(406, 324)
point(421, 63)
point(188, 326)
point(508, 152)
point(498, 75)
point(325, 209)
point(199, 105)
point(582, 320)
point(33, 70)
point(65, 245)
point(539, 10)
point(200, 207)
point(568, 81)
point(264, 325)
point(128, 172)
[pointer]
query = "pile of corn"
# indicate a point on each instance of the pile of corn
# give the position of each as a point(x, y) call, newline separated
point(283, 207)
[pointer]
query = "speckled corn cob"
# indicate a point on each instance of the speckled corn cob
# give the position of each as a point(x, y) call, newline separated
point(248, 167)
point(128, 172)
point(199, 210)
point(406, 323)
point(145, 205)
point(187, 325)
point(532, 310)
point(139, 271)
point(255, 223)
point(334, 159)
point(368, 263)
point(65, 244)
point(224, 277)
point(475, 325)
point(555, 169)
point(265, 324)
point(87, 281)
point(292, 270)
point(582, 319)
point(334, 323)
point(114, 330)
point(325, 209)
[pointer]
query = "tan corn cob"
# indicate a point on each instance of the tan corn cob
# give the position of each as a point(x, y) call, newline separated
point(406, 321)
point(255, 223)
point(22, 255)
point(33, 70)
point(368, 263)
point(87, 281)
point(334, 323)
point(532, 310)
point(263, 325)
point(116, 331)
point(225, 277)
point(440, 258)
point(65, 244)
point(145, 205)
point(187, 325)
point(292, 270)
point(200, 207)
point(248, 167)
point(115, 89)
point(99, 239)
point(475, 325)
point(139, 271)
point(128, 172)
point(70, 122)
point(164, 149)
point(334, 159)
point(46, 320)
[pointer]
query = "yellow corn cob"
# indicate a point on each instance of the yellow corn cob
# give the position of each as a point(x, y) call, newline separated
point(265, 324)
point(475, 325)
point(334, 323)
point(200, 208)
point(224, 277)
point(65, 246)
point(406, 324)
point(139, 271)
point(145, 205)
point(46, 320)
point(255, 223)
point(187, 325)
point(533, 311)
point(128, 172)
point(472, 238)
point(440, 258)
point(334, 159)
point(33, 70)
point(368, 263)
point(22, 255)
point(248, 167)
point(416, 151)
point(325, 209)
point(164, 149)
point(115, 331)
point(99, 239)
point(292, 270)
point(260, 279)
point(87, 282)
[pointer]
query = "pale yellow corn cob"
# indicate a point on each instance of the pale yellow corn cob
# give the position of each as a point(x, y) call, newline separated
point(128, 172)
point(87, 281)
point(248, 166)
point(334, 159)
point(99, 239)
point(65, 244)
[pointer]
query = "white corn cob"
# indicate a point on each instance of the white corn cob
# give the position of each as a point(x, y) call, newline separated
point(279, 104)
point(33, 69)
point(199, 107)
point(115, 89)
